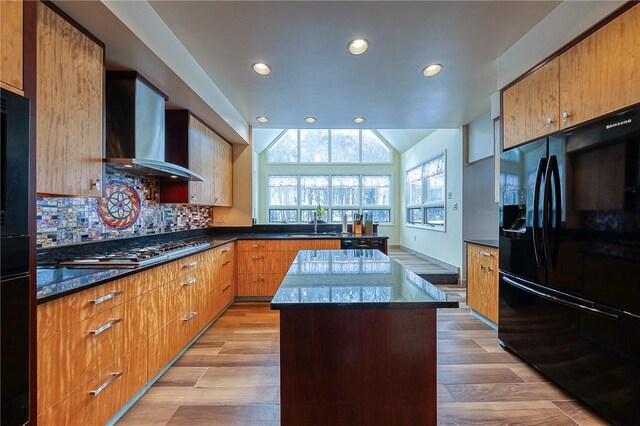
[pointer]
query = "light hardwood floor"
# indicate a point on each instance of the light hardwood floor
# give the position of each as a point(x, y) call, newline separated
point(230, 376)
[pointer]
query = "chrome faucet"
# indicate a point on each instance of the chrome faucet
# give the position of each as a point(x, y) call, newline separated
point(315, 222)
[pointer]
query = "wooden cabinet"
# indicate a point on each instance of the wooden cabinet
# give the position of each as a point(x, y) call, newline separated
point(223, 182)
point(482, 280)
point(531, 106)
point(11, 45)
point(207, 154)
point(601, 73)
point(597, 76)
point(70, 108)
point(262, 264)
point(118, 336)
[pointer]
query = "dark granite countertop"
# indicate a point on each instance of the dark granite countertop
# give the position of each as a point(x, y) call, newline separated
point(54, 282)
point(488, 243)
point(354, 279)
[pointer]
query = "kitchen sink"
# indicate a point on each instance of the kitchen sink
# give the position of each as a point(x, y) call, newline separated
point(312, 234)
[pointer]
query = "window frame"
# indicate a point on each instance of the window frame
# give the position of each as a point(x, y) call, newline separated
point(330, 206)
point(425, 205)
point(330, 162)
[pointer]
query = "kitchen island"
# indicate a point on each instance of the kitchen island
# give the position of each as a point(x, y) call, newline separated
point(357, 340)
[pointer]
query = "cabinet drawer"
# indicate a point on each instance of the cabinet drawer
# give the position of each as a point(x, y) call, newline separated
point(61, 313)
point(177, 268)
point(260, 262)
point(265, 245)
point(258, 284)
point(317, 244)
point(166, 302)
point(69, 358)
point(96, 401)
point(164, 345)
point(489, 254)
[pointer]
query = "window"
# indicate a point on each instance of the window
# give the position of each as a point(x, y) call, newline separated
point(425, 193)
point(329, 146)
point(293, 198)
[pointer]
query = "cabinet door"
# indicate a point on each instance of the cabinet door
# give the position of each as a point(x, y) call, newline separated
point(482, 281)
point(11, 56)
point(224, 173)
point(202, 153)
point(530, 107)
point(600, 74)
point(70, 111)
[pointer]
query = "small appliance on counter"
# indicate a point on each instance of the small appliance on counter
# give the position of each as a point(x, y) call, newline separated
point(570, 261)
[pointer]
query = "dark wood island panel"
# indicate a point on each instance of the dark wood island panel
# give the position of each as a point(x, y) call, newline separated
point(358, 367)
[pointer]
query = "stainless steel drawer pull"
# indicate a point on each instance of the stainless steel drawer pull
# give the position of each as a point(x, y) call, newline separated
point(226, 288)
point(490, 269)
point(226, 250)
point(486, 253)
point(258, 245)
point(190, 282)
point(105, 327)
point(190, 316)
point(258, 257)
point(226, 263)
point(191, 264)
point(255, 280)
point(482, 267)
point(106, 297)
point(103, 386)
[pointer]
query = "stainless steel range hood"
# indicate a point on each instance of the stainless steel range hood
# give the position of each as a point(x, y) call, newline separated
point(135, 128)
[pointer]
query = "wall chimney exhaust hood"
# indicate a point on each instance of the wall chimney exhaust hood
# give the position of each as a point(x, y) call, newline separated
point(135, 128)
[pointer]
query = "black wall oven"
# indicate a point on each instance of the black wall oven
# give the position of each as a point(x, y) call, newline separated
point(14, 262)
point(570, 261)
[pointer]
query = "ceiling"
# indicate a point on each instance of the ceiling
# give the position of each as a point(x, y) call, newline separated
point(314, 75)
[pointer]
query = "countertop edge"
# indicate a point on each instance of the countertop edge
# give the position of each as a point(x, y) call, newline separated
point(364, 305)
point(486, 243)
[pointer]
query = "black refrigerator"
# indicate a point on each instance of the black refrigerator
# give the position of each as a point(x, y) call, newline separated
point(14, 259)
point(570, 261)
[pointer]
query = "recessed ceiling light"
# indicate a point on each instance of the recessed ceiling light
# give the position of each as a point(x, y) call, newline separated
point(432, 70)
point(128, 166)
point(310, 120)
point(174, 177)
point(358, 46)
point(261, 68)
point(359, 120)
point(262, 119)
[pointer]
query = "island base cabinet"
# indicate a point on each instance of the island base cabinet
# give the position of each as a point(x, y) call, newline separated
point(360, 366)
point(95, 402)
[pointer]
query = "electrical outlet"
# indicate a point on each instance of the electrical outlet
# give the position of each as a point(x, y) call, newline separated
point(449, 195)
point(455, 206)
point(414, 238)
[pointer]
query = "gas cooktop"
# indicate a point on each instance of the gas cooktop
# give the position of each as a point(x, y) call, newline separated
point(137, 256)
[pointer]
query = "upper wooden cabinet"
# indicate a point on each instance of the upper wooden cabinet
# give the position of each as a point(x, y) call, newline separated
point(598, 75)
point(207, 154)
point(11, 45)
point(531, 106)
point(601, 74)
point(70, 108)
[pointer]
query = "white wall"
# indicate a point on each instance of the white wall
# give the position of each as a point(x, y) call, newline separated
point(480, 138)
point(445, 246)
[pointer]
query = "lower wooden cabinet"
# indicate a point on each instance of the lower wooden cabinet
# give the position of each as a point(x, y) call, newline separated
point(115, 346)
point(482, 280)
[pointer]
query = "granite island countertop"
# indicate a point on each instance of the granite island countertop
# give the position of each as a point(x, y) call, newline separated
point(354, 279)
point(55, 282)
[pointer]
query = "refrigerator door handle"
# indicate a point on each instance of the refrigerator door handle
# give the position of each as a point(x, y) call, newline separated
point(546, 213)
point(555, 170)
point(561, 301)
point(542, 165)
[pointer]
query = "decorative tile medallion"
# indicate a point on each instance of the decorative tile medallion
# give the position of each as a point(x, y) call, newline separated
point(120, 207)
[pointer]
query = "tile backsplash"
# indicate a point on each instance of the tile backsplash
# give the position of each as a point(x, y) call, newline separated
point(64, 220)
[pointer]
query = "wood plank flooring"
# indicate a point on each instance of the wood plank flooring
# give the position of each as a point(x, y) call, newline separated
point(230, 376)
